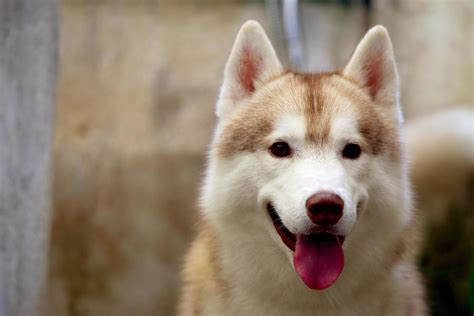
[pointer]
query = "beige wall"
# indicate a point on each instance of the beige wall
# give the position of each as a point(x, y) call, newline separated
point(136, 95)
point(433, 43)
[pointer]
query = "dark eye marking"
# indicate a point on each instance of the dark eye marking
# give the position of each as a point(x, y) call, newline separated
point(351, 151)
point(280, 149)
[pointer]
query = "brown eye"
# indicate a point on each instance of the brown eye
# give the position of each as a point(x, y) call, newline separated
point(280, 149)
point(351, 151)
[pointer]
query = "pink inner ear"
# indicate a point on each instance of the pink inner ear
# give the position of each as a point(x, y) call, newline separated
point(249, 69)
point(374, 73)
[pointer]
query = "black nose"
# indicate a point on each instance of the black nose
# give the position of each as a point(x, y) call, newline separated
point(324, 208)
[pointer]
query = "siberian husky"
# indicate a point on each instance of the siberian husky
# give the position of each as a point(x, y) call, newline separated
point(306, 204)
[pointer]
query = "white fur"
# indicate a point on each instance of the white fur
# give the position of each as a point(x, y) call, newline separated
point(255, 263)
point(289, 127)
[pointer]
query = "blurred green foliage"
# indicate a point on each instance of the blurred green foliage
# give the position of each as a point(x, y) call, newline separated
point(448, 263)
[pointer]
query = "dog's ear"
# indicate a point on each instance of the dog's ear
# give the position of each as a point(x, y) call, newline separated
point(252, 61)
point(372, 67)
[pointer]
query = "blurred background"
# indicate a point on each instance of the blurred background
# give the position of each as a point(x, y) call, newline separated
point(137, 85)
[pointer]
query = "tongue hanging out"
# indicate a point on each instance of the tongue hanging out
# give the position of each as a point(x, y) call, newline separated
point(318, 259)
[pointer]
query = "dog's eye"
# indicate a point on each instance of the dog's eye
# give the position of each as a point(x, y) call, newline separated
point(351, 151)
point(280, 149)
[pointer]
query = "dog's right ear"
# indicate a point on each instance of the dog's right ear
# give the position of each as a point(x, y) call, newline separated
point(252, 61)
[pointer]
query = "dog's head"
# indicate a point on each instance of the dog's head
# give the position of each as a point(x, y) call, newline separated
point(306, 153)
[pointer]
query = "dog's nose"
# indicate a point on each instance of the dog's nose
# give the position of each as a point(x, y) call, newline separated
point(324, 208)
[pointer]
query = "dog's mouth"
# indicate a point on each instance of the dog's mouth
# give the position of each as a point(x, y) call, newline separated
point(318, 257)
point(288, 238)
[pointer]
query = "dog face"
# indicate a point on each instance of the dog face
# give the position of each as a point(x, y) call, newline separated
point(304, 150)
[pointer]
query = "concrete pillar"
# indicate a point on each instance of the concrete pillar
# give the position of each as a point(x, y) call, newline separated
point(28, 51)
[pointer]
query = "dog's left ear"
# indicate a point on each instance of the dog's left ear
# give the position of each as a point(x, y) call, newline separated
point(372, 67)
point(252, 61)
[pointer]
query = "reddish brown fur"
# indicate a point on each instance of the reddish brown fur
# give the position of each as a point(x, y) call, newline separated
point(317, 120)
point(312, 95)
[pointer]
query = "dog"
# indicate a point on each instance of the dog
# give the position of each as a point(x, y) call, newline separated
point(306, 203)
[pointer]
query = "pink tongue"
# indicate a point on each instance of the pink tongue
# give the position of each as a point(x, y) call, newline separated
point(318, 259)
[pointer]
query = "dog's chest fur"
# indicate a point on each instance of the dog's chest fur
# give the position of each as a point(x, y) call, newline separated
point(220, 282)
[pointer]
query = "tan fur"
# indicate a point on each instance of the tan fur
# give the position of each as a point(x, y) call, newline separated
point(202, 275)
